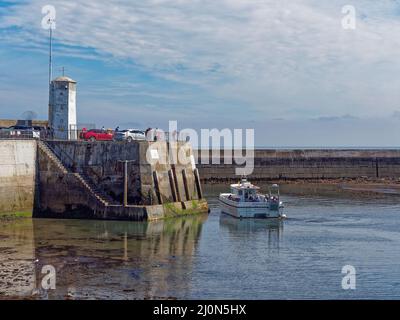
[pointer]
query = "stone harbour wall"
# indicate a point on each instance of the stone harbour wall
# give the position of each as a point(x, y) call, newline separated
point(309, 164)
point(86, 180)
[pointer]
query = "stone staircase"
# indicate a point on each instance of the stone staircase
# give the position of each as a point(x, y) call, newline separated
point(85, 178)
point(43, 146)
point(85, 181)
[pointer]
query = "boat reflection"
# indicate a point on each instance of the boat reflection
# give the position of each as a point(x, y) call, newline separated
point(272, 228)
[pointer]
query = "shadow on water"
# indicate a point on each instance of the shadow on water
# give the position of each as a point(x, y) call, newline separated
point(272, 229)
point(251, 225)
point(107, 259)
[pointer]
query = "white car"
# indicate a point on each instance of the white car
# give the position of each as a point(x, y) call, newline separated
point(129, 135)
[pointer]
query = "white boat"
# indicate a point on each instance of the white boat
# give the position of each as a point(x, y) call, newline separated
point(245, 201)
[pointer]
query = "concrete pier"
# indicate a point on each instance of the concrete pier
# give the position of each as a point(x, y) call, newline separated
point(71, 179)
point(294, 164)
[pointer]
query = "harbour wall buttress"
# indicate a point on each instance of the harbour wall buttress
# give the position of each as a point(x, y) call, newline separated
point(17, 175)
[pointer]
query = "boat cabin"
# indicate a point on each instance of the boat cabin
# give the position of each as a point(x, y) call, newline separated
point(245, 191)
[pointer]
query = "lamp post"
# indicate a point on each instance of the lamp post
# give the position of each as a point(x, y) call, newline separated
point(126, 180)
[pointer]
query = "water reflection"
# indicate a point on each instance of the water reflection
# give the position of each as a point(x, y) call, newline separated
point(107, 259)
point(272, 228)
point(222, 258)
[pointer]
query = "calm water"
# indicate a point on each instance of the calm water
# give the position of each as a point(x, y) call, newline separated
point(212, 256)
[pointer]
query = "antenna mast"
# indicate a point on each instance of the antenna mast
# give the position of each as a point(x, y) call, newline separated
point(50, 50)
point(50, 22)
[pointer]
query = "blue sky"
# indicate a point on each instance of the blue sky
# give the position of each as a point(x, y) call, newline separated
point(285, 68)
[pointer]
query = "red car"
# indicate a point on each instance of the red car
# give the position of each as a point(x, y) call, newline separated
point(97, 135)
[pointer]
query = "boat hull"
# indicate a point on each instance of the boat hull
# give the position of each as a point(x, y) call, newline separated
point(248, 210)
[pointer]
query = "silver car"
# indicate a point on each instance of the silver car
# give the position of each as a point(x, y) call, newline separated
point(129, 135)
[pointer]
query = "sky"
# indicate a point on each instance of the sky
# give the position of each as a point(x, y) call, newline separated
point(287, 69)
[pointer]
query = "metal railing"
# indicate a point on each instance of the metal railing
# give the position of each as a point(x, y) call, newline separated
point(165, 136)
point(76, 135)
point(62, 155)
point(21, 134)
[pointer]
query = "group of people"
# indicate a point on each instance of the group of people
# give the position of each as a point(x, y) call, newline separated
point(47, 132)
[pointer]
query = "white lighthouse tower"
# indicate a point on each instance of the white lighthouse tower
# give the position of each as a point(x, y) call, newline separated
point(62, 108)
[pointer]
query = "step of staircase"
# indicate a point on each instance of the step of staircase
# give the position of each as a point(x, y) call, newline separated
point(97, 190)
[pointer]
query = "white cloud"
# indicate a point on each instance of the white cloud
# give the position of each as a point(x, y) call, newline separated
point(275, 58)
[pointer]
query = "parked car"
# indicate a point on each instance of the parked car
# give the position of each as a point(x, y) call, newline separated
point(97, 135)
point(129, 135)
point(20, 132)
